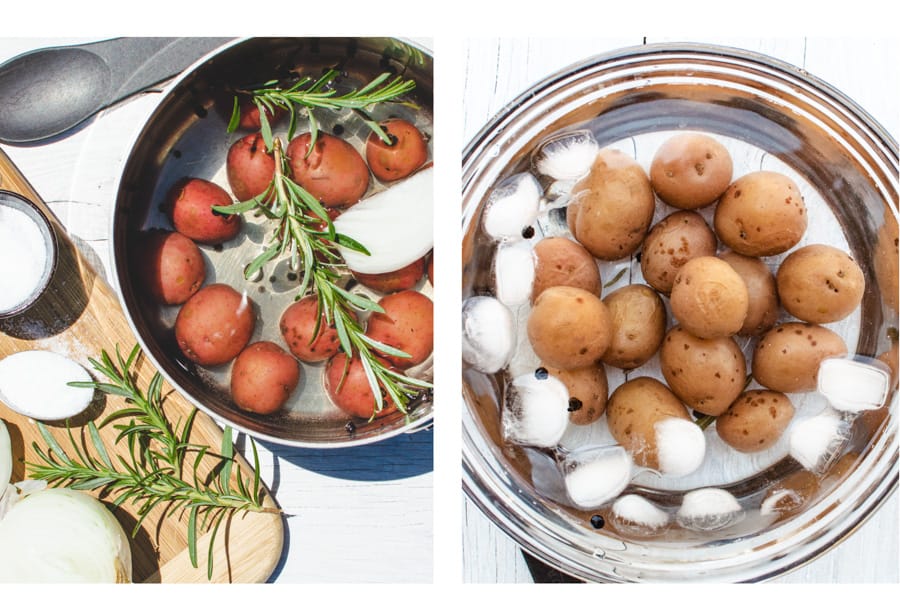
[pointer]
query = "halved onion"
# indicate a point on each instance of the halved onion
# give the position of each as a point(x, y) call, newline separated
point(395, 225)
point(59, 535)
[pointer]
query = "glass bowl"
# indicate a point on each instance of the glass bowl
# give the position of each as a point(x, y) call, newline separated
point(771, 115)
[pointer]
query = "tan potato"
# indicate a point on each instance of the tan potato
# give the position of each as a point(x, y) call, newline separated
point(789, 495)
point(709, 299)
point(569, 328)
point(672, 242)
point(707, 375)
point(820, 284)
point(632, 412)
point(761, 214)
point(214, 325)
point(638, 325)
point(885, 262)
point(612, 206)
point(588, 391)
point(263, 377)
point(560, 261)
point(690, 170)
point(755, 421)
point(763, 294)
point(787, 357)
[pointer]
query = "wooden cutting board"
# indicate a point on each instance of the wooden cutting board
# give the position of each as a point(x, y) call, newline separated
point(79, 317)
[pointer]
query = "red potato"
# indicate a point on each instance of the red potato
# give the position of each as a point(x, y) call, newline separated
point(298, 323)
point(189, 205)
point(250, 118)
point(348, 387)
point(249, 167)
point(406, 324)
point(214, 325)
point(407, 152)
point(171, 267)
point(430, 270)
point(263, 378)
point(334, 172)
point(395, 281)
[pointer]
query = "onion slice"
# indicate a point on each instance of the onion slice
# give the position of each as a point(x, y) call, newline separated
point(60, 535)
point(395, 225)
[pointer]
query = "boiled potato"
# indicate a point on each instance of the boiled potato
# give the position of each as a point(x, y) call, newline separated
point(348, 388)
point(588, 391)
point(633, 411)
point(755, 420)
point(407, 151)
point(709, 299)
point(170, 266)
point(214, 325)
point(306, 334)
point(761, 214)
point(263, 377)
point(612, 206)
point(789, 495)
point(189, 205)
point(569, 328)
point(820, 284)
point(249, 167)
point(690, 170)
point(334, 172)
point(638, 325)
point(763, 294)
point(707, 375)
point(560, 261)
point(672, 242)
point(885, 262)
point(406, 324)
point(787, 357)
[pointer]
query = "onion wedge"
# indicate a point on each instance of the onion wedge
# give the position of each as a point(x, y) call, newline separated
point(395, 225)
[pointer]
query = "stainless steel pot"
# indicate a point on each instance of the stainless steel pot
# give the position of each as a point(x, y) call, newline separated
point(186, 136)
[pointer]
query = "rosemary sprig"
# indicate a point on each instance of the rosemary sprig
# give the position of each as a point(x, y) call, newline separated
point(161, 466)
point(320, 93)
point(306, 234)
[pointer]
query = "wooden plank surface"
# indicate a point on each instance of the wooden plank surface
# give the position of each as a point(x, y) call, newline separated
point(79, 316)
point(498, 69)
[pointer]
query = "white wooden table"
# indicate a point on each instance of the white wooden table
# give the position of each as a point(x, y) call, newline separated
point(354, 515)
point(497, 70)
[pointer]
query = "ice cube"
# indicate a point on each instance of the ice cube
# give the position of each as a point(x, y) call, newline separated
point(708, 509)
point(680, 446)
point(567, 155)
point(535, 410)
point(816, 441)
point(853, 385)
point(514, 272)
point(488, 334)
point(594, 476)
point(636, 515)
point(512, 206)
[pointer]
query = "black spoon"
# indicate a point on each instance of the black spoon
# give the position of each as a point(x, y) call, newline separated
point(46, 92)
